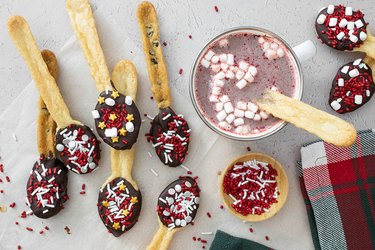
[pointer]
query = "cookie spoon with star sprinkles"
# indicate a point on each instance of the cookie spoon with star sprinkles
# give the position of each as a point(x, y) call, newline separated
point(76, 145)
point(120, 200)
point(177, 207)
point(117, 119)
point(169, 133)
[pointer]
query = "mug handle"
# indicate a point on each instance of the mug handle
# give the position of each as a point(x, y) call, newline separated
point(305, 50)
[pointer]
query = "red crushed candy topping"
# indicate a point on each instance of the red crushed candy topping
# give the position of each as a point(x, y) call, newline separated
point(216, 8)
point(252, 187)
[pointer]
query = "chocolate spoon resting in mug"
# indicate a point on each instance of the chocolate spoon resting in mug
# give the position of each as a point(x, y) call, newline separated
point(169, 133)
point(76, 145)
point(328, 127)
point(46, 187)
point(120, 201)
point(117, 118)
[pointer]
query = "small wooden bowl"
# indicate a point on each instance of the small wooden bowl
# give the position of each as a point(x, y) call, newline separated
point(282, 184)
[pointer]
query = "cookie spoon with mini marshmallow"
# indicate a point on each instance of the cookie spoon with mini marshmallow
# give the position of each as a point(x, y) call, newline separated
point(120, 200)
point(117, 118)
point(76, 145)
point(169, 133)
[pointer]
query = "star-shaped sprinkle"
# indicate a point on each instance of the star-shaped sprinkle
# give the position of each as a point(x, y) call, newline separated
point(122, 187)
point(122, 131)
point(112, 117)
point(125, 212)
point(101, 100)
point(101, 125)
point(129, 117)
point(116, 225)
point(134, 200)
point(115, 94)
point(115, 139)
point(105, 203)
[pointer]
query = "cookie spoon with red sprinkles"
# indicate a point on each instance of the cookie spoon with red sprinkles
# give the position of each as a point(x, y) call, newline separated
point(76, 145)
point(169, 133)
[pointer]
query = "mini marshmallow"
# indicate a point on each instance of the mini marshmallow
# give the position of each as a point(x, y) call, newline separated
point(216, 91)
point(350, 32)
point(350, 25)
point(215, 59)
point(332, 22)
point(224, 66)
point(239, 121)
point(230, 59)
point(224, 99)
point(219, 106)
point(215, 68)
point(343, 23)
point(248, 77)
point(274, 46)
point(249, 114)
point(274, 88)
point(221, 115)
point(228, 107)
point(264, 115)
point(233, 68)
point(243, 65)
point(229, 74)
point(253, 70)
point(340, 35)
point(110, 132)
point(241, 84)
point(230, 118)
point(280, 52)
point(205, 63)
point(358, 99)
point(223, 58)
point(129, 127)
point(345, 69)
point(95, 114)
point(240, 74)
point(358, 23)
point(109, 101)
point(321, 19)
point(335, 105)
point(362, 36)
point(241, 105)
point(354, 73)
point(220, 75)
point(239, 113)
point(128, 100)
point(348, 11)
point(340, 82)
point(257, 117)
point(223, 42)
point(218, 83)
point(261, 40)
point(252, 107)
point(357, 62)
point(271, 54)
point(266, 46)
point(330, 9)
point(353, 38)
point(225, 126)
point(209, 55)
point(213, 98)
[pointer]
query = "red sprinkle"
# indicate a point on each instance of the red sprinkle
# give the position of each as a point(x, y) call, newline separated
point(2, 191)
point(7, 178)
point(251, 230)
point(190, 37)
point(189, 172)
point(199, 239)
point(180, 72)
point(82, 192)
point(1, 180)
point(267, 238)
point(29, 229)
point(165, 44)
point(204, 241)
point(209, 215)
point(17, 223)
point(203, 247)
point(23, 214)
point(19, 247)
point(216, 8)
point(83, 186)
point(41, 232)
point(46, 228)
point(1, 168)
point(194, 238)
point(221, 207)
point(12, 205)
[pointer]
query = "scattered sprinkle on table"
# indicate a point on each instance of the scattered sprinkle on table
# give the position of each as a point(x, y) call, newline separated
point(180, 71)
point(208, 214)
point(154, 172)
point(216, 8)
point(67, 230)
point(190, 37)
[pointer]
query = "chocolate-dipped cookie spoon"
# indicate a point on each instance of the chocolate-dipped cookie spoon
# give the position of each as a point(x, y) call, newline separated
point(177, 207)
point(117, 118)
point(46, 187)
point(120, 201)
point(76, 145)
point(169, 133)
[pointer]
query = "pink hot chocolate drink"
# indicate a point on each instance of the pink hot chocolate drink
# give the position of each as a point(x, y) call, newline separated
point(235, 69)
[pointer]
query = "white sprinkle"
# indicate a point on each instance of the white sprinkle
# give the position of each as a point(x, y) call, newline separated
point(184, 167)
point(149, 117)
point(149, 154)
point(63, 131)
point(166, 117)
point(14, 137)
point(206, 233)
point(154, 172)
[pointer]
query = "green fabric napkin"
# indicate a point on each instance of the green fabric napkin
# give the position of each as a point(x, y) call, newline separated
point(224, 241)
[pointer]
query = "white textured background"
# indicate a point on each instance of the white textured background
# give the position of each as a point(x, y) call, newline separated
point(292, 19)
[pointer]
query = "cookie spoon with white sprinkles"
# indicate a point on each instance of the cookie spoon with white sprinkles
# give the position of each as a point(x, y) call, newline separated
point(169, 133)
point(76, 145)
point(117, 118)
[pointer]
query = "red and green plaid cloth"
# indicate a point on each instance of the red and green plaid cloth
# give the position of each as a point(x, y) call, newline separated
point(338, 185)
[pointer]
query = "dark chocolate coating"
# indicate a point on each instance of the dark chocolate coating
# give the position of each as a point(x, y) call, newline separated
point(120, 109)
point(160, 126)
point(165, 210)
point(87, 158)
point(357, 86)
point(130, 219)
point(328, 36)
point(52, 168)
